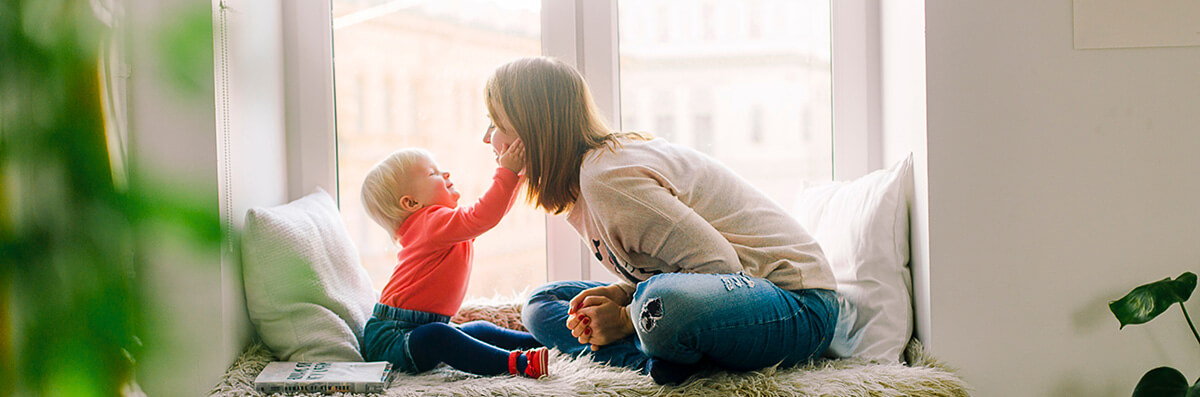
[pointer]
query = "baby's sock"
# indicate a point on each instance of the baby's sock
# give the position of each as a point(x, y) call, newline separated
point(668, 373)
point(537, 363)
point(522, 363)
point(518, 362)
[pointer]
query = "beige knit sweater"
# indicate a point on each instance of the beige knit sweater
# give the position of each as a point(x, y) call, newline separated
point(651, 207)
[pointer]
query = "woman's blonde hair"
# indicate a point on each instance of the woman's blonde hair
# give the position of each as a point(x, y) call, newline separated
point(386, 183)
point(550, 107)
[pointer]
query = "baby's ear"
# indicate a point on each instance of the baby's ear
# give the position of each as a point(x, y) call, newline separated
point(408, 204)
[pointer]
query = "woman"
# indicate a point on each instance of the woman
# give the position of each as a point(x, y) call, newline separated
point(713, 272)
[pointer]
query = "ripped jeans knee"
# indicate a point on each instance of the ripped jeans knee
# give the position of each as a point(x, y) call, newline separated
point(672, 301)
point(663, 316)
point(738, 322)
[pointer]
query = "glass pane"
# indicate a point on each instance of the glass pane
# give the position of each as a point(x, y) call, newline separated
point(746, 81)
point(411, 73)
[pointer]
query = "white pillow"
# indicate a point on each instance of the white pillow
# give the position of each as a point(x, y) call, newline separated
point(862, 226)
point(306, 291)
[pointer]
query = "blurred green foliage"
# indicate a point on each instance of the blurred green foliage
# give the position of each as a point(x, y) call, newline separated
point(186, 63)
point(72, 242)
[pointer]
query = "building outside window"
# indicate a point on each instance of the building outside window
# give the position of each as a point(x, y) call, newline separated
point(748, 88)
point(690, 71)
point(434, 56)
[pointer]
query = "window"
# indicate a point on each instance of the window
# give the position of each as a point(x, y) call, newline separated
point(432, 57)
point(756, 124)
point(754, 19)
point(746, 91)
point(702, 126)
point(387, 111)
point(710, 31)
point(421, 67)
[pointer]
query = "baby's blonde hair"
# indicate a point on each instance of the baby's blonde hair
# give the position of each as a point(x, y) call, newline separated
point(385, 184)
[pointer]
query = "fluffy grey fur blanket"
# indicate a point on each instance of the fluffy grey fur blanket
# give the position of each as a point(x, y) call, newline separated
point(923, 376)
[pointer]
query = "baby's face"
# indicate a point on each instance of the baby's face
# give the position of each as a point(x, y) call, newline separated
point(431, 186)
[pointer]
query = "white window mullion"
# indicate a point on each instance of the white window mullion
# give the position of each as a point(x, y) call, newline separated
point(598, 62)
point(857, 115)
point(566, 255)
point(598, 56)
point(308, 94)
point(559, 30)
point(583, 34)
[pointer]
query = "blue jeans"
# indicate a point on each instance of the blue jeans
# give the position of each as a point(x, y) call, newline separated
point(732, 321)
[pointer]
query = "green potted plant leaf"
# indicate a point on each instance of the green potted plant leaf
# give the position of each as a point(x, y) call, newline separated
point(1145, 303)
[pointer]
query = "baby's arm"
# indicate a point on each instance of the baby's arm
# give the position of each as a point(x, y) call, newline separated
point(468, 222)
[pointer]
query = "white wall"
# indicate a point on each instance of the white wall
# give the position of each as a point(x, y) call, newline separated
point(1058, 179)
point(195, 332)
point(226, 140)
point(902, 103)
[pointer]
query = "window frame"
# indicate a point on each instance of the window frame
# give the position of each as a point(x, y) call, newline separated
point(309, 109)
point(584, 34)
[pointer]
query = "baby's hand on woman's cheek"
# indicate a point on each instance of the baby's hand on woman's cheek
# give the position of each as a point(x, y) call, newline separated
point(513, 157)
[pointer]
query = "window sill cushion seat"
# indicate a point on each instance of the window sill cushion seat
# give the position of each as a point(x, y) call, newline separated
point(923, 375)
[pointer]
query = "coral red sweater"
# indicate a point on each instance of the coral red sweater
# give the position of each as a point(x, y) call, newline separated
point(437, 247)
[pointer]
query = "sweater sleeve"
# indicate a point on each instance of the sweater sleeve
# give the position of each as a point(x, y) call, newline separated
point(465, 223)
point(643, 216)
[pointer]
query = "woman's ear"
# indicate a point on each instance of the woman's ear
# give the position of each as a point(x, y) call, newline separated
point(408, 204)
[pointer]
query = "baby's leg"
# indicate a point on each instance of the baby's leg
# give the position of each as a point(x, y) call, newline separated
point(435, 343)
point(498, 336)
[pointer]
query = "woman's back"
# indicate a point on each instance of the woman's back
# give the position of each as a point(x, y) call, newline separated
point(662, 207)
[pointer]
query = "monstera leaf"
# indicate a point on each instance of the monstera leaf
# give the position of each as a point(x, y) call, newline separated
point(1146, 302)
point(1163, 382)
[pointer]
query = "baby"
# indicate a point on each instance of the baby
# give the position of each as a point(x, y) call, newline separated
point(415, 201)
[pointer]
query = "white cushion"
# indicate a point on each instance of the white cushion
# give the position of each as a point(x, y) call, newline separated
point(862, 226)
point(306, 291)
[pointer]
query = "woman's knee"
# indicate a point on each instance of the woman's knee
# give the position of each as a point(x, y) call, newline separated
point(669, 311)
point(549, 299)
point(558, 290)
point(543, 303)
point(662, 313)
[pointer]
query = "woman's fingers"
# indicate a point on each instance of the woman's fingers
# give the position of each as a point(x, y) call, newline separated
point(590, 314)
point(574, 320)
point(577, 302)
point(577, 331)
point(595, 300)
point(597, 319)
point(606, 322)
point(583, 333)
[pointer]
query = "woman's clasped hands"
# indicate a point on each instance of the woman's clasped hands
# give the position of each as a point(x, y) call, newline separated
point(597, 316)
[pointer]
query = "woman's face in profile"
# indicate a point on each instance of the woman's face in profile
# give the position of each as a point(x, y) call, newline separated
point(499, 133)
